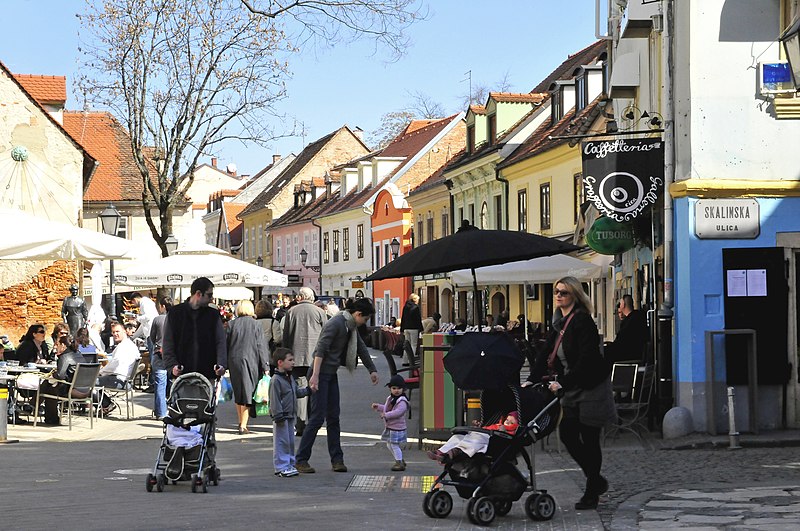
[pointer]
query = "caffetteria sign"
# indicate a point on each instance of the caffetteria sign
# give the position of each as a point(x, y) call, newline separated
point(607, 236)
point(623, 178)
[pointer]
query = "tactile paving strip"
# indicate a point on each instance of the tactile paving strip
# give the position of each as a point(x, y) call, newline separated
point(361, 483)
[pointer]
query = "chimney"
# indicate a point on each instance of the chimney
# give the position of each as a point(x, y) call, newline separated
point(276, 158)
point(359, 133)
point(213, 162)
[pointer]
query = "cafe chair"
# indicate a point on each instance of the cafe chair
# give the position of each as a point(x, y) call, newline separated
point(85, 377)
point(125, 393)
point(410, 374)
point(632, 385)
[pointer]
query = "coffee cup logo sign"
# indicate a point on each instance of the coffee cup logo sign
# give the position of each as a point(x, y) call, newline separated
point(623, 178)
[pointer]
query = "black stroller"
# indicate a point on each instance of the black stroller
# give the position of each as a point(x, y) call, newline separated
point(188, 447)
point(492, 481)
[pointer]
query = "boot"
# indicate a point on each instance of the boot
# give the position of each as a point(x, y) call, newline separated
point(399, 466)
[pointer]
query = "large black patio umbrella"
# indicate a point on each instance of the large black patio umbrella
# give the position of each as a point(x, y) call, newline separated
point(484, 361)
point(470, 248)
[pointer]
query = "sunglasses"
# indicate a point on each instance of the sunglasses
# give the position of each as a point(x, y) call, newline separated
point(561, 293)
point(39, 332)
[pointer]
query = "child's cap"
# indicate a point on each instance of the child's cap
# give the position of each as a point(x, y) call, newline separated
point(397, 381)
point(514, 415)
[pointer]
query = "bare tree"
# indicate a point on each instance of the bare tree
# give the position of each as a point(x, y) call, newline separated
point(422, 106)
point(187, 75)
point(479, 92)
point(392, 124)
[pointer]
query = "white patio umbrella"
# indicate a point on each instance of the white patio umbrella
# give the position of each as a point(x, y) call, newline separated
point(535, 271)
point(181, 270)
point(27, 237)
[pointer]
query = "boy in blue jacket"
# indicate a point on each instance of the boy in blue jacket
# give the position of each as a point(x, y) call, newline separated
point(283, 395)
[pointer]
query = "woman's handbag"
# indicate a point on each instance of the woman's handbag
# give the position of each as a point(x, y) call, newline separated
point(28, 380)
point(595, 406)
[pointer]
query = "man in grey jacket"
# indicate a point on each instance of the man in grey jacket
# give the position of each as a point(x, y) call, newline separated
point(339, 344)
point(302, 325)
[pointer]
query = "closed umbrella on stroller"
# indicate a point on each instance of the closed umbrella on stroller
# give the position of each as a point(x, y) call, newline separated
point(484, 361)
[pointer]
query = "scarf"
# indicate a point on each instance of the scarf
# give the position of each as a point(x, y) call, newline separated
point(352, 343)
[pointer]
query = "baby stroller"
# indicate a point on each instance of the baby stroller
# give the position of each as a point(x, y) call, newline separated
point(188, 447)
point(492, 481)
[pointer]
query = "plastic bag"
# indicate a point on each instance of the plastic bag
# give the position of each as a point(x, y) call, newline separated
point(261, 396)
point(225, 390)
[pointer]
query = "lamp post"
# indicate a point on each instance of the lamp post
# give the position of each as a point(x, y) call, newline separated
point(395, 247)
point(316, 269)
point(303, 257)
point(791, 45)
point(171, 243)
point(109, 219)
point(259, 261)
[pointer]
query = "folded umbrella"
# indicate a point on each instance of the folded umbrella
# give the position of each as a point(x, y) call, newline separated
point(484, 361)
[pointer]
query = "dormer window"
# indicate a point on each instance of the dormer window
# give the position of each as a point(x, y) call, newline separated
point(557, 105)
point(470, 138)
point(491, 134)
point(581, 92)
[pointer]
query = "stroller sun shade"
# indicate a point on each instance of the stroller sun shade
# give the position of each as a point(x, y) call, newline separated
point(192, 396)
point(484, 361)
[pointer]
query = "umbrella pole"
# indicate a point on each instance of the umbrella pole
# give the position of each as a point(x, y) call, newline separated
point(478, 316)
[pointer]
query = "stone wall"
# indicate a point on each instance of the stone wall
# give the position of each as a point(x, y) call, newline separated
point(37, 300)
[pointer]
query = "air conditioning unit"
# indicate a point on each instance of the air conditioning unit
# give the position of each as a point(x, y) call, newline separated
point(775, 78)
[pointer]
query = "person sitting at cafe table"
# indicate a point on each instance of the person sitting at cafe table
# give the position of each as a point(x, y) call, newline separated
point(59, 330)
point(125, 354)
point(32, 347)
point(67, 360)
point(629, 345)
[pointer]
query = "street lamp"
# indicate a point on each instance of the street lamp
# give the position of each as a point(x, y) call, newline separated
point(791, 45)
point(395, 247)
point(259, 261)
point(109, 219)
point(171, 243)
point(303, 256)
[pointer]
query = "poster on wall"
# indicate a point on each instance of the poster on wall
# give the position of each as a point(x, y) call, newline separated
point(623, 178)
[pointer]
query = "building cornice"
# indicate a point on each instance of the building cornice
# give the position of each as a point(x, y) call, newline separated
point(712, 188)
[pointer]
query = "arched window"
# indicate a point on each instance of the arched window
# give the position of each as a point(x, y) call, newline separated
point(484, 215)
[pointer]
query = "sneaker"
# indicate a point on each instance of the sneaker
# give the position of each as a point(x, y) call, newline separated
point(288, 473)
point(399, 466)
point(304, 468)
point(339, 467)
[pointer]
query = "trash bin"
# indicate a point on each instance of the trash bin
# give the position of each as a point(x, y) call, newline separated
point(441, 402)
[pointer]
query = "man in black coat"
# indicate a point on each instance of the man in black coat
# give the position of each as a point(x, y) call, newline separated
point(411, 322)
point(194, 338)
point(631, 340)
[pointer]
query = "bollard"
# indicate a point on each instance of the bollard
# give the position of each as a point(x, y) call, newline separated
point(473, 407)
point(4, 417)
point(733, 435)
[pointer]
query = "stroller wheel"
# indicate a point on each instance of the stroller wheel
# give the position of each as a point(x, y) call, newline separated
point(540, 506)
point(426, 505)
point(161, 480)
point(204, 482)
point(502, 507)
point(440, 504)
point(151, 479)
point(483, 512)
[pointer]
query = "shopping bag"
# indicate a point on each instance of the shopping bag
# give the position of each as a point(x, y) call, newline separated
point(225, 390)
point(261, 395)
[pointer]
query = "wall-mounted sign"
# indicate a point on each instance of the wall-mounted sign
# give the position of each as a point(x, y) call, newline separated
point(726, 219)
point(607, 236)
point(356, 284)
point(623, 178)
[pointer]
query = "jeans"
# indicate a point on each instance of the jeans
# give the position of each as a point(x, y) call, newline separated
point(160, 394)
point(283, 444)
point(324, 408)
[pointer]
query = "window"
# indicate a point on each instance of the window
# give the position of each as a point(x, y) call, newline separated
point(122, 230)
point(377, 264)
point(346, 244)
point(577, 184)
point(580, 92)
point(278, 254)
point(470, 138)
point(336, 246)
point(430, 226)
point(460, 217)
point(244, 243)
point(420, 233)
point(471, 214)
point(387, 253)
point(498, 212)
point(492, 133)
point(296, 253)
point(522, 210)
point(484, 215)
point(557, 104)
point(325, 248)
point(445, 222)
point(287, 250)
point(314, 258)
point(360, 240)
point(268, 242)
point(544, 206)
point(259, 241)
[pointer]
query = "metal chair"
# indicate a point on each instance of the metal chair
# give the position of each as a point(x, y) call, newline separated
point(633, 388)
point(85, 377)
point(125, 392)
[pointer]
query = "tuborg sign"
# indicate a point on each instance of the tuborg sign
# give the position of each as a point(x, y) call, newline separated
point(726, 219)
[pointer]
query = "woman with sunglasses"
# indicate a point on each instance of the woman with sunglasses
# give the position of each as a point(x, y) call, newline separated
point(571, 360)
point(32, 347)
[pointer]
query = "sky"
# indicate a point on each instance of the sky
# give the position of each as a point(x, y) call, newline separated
point(518, 40)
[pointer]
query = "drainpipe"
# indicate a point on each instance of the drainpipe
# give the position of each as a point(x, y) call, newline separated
point(505, 220)
point(666, 309)
point(314, 222)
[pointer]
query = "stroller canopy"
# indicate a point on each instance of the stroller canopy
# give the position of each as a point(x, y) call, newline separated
point(192, 385)
point(482, 360)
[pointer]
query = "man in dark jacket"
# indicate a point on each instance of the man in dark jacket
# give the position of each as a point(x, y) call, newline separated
point(194, 339)
point(339, 344)
point(411, 323)
point(631, 340)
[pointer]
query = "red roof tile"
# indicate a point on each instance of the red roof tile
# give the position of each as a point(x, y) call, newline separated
point(45, 89)
point(514, 97)
point(117, 177)
point(478, 109)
